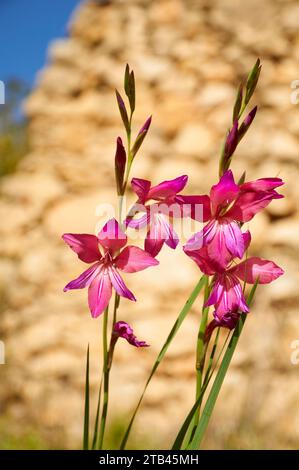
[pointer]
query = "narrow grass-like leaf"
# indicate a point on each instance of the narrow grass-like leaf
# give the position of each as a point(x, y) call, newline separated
point(138, 142)
point(252, 80)
point(86, 407)
point(185, 310)
point(96, 423)
point(187, 432)
point(187, 423)
point(213, 395)
point(238, 103)
point(123, 111)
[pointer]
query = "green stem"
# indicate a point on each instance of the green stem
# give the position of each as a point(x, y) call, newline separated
point(181, 317)
point(86, 406)
point(201, 349)
point(213, 352)
point(213, 395)
point(106, 371)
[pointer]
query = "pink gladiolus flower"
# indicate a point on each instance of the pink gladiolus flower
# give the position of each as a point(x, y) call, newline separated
point(227, 293)
point(104, 251)
point(168, 204)
point(230, 205)
point(121, 329)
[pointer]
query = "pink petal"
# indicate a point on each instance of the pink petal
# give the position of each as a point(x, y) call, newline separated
point(224, 192)
point(250, 203)
point(197, 207)
point(85, 279)
point(246, 239)
point(233, 238)
point(119, 284)
point(214, 237)
point(195, 242)
point(216, 293)
point(227, 295)
point(257, 268)
point(154, 239)
point(85, 245)
point(133, 259)
point(170, 235)
point(137, 223)
point(203, 261)
point(160, 231)
point(227, 320)
point(111, 237)
point(168, 188)
point(99, 293)
point(141, 188)
point(262, 184)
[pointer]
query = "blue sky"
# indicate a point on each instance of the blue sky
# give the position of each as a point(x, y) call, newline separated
point(26, 28)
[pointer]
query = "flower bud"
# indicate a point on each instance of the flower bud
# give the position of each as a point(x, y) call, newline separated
point(120, 165)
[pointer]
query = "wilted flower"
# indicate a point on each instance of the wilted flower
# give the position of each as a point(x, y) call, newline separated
point(121, 329)
point(104, 251)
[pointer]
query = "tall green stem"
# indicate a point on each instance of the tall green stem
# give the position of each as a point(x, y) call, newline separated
point(177, 324)
point(201, 348)
point(106, 370)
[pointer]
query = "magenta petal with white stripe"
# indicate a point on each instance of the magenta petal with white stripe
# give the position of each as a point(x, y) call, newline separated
point(139, 223)
point(119, 284)
point(86, 246)
point(227, 295)
point(133, 259)
point(85, 279)
point(99, 293)
point(171, 237)
point(233, 238)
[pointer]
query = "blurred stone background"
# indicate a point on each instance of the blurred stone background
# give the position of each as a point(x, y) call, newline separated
point(188, 57)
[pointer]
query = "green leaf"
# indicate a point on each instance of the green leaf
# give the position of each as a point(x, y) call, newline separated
point(123, 111)
point(252, 80)
point(242, 178)
point(127, 79)
point(187, 431)
point(182, 315)
point(138, 142)
point(238, 103)
point(188, 421)
point(213, 395)
point(96, 423)
point(86, 407)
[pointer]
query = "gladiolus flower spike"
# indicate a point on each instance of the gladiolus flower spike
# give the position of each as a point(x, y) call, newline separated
point(215, 248)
